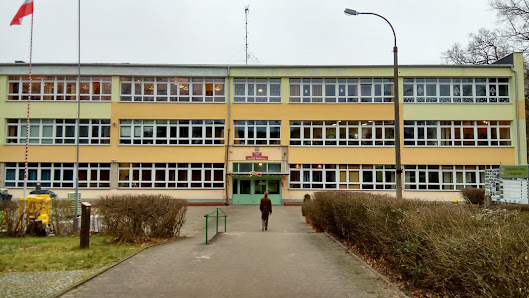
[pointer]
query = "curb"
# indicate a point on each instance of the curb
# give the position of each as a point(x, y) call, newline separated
point(292, 204)
point(76, 285)
point(206, 204)
point(369, 267)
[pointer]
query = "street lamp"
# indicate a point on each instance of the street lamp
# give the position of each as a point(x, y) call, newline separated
point(398, 165)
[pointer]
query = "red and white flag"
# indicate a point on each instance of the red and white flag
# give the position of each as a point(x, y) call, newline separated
point(24, 10)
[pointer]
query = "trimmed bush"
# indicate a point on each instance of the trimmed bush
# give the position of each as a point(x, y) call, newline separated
point(474, 195)
point(137, 218)
point(306, 198)
point(454, 250)
point(62, 217)
point(12, 218)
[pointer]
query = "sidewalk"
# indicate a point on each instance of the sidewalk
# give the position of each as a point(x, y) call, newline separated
point(288, 260)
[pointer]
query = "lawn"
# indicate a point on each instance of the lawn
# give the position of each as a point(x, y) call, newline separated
point(34, 254)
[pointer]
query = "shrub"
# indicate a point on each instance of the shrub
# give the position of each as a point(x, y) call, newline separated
point(306, 198)
point(474, 195)
point(62, 217)
point(456, 250)
point(12, 218)
point(137, 218)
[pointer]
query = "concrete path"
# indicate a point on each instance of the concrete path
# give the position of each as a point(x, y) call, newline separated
point(288, 260)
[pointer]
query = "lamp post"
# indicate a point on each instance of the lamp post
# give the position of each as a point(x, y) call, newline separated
point(398, 166)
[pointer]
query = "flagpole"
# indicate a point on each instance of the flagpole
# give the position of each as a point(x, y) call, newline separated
point(78, 91)
point(27, 127)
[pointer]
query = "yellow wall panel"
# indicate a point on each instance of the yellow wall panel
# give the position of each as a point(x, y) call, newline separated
point(56, 109)
point(341, 155)
point(42, 153)
point(131, 110)
point(458, 156)
point(458, 112)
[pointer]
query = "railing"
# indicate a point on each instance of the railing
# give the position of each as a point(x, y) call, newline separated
point(207, 216)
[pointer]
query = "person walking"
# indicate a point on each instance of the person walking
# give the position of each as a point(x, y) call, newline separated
point(266, 210)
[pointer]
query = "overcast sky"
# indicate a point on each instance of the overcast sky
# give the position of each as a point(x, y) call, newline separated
point(299, 32)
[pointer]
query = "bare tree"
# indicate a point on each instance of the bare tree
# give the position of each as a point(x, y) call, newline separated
point(515, 15)
point(484, 47)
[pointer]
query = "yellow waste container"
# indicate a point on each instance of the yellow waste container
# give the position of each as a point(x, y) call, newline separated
point(37, 206)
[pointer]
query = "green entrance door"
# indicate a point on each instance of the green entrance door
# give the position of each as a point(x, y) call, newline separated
point(250, 190)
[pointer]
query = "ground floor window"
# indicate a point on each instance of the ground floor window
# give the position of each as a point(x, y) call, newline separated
point(171, 175)
point(341, 176)
point(58, 175)
point(445, 177)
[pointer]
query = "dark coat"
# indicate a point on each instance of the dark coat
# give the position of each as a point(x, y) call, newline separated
point(265, 206)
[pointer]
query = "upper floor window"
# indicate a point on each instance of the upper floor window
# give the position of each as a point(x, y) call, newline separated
point(456, 90)
point(257, 132)
point(172, 89)
point(58, 131)
point(257, 90)
point(257, 167)
point(341, 90)
point(58, 175)
point(457, 133)
point(342, 133)
point(59, 88)
point(171, 132)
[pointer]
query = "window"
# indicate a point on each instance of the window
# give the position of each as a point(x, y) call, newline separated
point(456, 90)
point(457, 133)
point(444, 177)
point(59, 131)
point(171, 175)
point(257, 132)
point(257, 90)
point(60, 88)
point(342, 133)
point(58, 175)
point(171, 132)
point(261, 167)
point(341, 90)
point(342, 176)
point(172, 89)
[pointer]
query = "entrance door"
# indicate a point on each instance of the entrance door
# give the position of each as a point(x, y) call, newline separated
point(251, 190)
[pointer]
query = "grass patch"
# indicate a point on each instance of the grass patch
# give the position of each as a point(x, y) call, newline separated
point(34, 254)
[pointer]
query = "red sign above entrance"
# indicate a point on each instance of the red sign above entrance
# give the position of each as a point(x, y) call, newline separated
point(257, 156)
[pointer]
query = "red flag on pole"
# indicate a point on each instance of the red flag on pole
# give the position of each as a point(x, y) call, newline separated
point(24, 10)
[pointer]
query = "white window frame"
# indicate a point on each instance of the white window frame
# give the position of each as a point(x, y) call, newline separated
point(250, 127)
point(248, 90)
point(351, 90)
point(461, 90)
point(98, 131)
point(449, 177)
point(172, 89)
point(57, 172)
point(47, 88)
point(140, 129)
point(348, 133)
point(146, 174)
point(421, 129)
point(383, 177)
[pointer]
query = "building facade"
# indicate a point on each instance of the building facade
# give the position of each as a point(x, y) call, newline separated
point(230, 133)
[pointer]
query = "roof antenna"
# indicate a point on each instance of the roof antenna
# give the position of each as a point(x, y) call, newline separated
point(246, 12)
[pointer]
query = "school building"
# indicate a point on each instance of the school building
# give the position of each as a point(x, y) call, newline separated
point(213, 133)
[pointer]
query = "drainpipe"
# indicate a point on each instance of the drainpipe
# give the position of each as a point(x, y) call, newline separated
point(227, 145)
point(517, 115)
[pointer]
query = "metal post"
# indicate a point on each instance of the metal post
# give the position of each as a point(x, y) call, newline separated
point(225, 219)
point(398, 173)
point(78, 96)
point(206, 216)
point(398, 165)
point(217, 228)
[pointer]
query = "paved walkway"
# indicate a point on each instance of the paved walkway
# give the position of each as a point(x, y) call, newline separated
point(288, 260)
